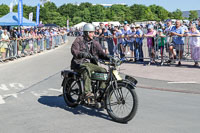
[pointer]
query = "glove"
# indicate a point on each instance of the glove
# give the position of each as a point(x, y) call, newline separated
point(86, 55)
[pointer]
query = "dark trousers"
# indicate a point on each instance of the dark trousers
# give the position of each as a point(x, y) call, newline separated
point(138, 50)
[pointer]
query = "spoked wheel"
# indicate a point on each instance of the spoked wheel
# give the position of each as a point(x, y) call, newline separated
point(122, 103)
point(71, 92)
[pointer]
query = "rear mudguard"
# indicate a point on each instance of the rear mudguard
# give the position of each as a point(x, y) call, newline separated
point(68, 74)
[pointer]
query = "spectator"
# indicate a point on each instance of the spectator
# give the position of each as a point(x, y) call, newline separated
point(139, 43)
point(194, 42)
point(13, 47)
point(115, 49)
point(47, 36)
point(23, 42)
point(119, 39)
point(1, 31)
point(169, 38)
point(199, 25)
point(125, 38)
point(161, 43)
point(4, 43)
point(30, 42)
point(39, 41)
point(151, 43)
point(109, 40)
point(132, 41)
point(177, 33)
point(105, 40)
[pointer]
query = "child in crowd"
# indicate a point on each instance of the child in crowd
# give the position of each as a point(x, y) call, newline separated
point(161, 43)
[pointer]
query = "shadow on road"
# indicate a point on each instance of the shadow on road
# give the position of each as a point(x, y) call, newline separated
point(58, 102)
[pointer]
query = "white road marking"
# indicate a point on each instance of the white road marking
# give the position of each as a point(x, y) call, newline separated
point(16, 86)
point(1, 100)
point(58, 90)
point(183, 82)
point(35, 94)
point(3, 87)
point(43, 93)
point(14, 95)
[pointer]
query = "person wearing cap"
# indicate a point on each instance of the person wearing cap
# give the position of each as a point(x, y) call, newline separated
point(132, 42)
point(86, 51)
point(139, 43)
point(150, 43)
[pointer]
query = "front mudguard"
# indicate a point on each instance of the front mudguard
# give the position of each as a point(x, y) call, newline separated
point(131, 80)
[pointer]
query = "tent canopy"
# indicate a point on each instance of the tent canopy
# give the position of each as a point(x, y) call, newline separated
point(80, 25)
point(11, 19)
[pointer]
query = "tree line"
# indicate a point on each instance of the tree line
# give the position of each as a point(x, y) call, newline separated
point(51, 14)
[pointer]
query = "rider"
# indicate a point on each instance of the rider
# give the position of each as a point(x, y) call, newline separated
point(86, 51)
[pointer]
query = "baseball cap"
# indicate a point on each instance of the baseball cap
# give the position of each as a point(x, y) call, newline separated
point(125, 22)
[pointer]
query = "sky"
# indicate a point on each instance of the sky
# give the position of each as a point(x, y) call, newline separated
point(170, 5)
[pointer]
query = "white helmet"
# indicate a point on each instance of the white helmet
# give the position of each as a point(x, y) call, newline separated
point(88, 27)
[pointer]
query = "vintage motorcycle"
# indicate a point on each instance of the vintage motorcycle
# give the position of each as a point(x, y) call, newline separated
point(118, 98)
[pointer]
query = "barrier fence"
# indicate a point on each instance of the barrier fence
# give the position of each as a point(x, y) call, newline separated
point(17, 48)
point(159, 49)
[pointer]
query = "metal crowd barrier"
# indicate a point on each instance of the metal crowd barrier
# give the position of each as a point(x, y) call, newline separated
point(19, 48)
point(160, 53)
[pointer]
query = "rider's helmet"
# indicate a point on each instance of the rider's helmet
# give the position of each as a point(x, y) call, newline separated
point(88, 28)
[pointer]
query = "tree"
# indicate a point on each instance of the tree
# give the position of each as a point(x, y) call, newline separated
point(193, 15)
point(55, 18)
point(4, 9)
point(97, 13)
point(68, 10)
point(160, 12)
point(82, 6)
point(177, 14)
point(142, 13)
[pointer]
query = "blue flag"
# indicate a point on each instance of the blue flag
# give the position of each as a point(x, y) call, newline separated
point(20, 12)
point(38, 14)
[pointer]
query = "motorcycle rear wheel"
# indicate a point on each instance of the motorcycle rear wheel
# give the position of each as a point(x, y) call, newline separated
point(71, 92)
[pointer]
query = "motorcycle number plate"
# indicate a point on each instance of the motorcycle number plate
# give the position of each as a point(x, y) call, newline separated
point(117, 76)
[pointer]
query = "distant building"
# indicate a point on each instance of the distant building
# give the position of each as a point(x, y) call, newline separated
point(109, 5)
point(105, 5)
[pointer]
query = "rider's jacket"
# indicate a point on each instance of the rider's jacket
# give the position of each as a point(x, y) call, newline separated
point(81, 45)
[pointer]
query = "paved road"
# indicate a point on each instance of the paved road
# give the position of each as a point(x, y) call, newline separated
point(29, 102)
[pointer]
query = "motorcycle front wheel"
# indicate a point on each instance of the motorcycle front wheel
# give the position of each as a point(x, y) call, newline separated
point(122, 103)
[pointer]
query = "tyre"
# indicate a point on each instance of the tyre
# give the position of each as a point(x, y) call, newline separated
point(122, 103)
point(71, 92)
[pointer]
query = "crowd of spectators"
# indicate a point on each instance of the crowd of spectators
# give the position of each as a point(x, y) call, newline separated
point(19, 41)
point(128, 39)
